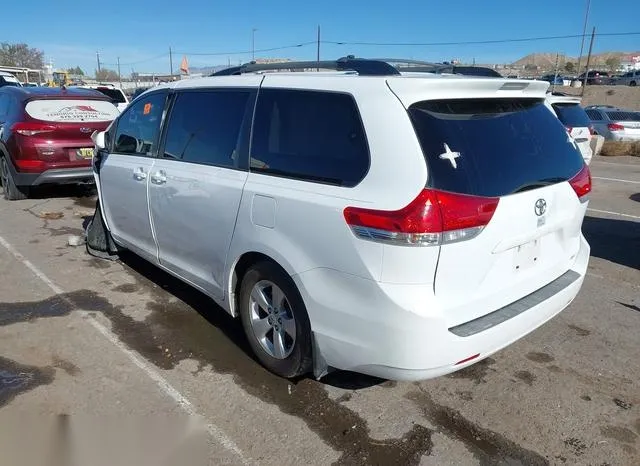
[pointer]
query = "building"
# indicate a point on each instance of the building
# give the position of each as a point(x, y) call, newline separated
point(630, 63)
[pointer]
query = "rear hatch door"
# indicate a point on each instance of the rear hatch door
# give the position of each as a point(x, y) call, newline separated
point(513, 149)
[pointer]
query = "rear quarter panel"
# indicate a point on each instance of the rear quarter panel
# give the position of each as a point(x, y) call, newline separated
point(307, 229)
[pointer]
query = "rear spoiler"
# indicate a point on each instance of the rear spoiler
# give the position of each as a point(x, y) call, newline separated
point(412, 89)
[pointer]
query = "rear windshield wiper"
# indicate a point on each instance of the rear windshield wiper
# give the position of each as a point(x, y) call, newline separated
point(539, 184)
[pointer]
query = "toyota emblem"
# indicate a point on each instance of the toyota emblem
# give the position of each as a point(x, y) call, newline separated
point(540, 207)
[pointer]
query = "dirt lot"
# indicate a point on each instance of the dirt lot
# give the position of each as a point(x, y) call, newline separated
point(89, 347)
point(619, 96)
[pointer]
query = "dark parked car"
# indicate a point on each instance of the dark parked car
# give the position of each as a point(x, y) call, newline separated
point(553, 79)
point(596, 77)
point(45, 136)
point(7, 79)
point(137, 92)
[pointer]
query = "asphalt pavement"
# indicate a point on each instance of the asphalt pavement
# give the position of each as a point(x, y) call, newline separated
point(119, 363)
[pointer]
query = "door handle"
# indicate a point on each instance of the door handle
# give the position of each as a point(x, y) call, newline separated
point(159, 177)
point(139, 174)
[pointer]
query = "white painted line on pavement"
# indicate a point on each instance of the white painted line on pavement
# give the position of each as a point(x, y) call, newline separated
point(154, 375)
point(617, 164)
point(614, 179)
point(613, 213)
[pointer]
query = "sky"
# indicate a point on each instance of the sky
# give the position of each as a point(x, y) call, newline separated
point(140, 32)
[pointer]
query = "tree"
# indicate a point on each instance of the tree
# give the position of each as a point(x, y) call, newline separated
point(569, 67)
point(77, 71)
point(21, 55)
point(613, 63)
point(106, 75)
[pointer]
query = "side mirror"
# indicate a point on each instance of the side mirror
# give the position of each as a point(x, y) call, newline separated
point(98, 140)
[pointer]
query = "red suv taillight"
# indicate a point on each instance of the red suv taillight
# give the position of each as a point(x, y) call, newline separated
point(615, 127)
point(431, 219)
point(581, 183)
point(32, 129)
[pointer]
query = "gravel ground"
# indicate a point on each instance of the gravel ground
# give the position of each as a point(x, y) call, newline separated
point(619, 96)
point(101, 361)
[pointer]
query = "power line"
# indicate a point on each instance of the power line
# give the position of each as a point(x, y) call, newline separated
point(378, 44)
point(476, 42)
point(249, 52)
point(145, 60)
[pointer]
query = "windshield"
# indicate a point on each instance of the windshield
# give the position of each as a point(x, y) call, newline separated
point(115, 94)
point(71, 111)
point(572, 115)
point(493, 147)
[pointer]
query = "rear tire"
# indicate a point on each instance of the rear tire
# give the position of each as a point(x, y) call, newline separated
point(632, 84)
point(11, 191)
point(279, 317)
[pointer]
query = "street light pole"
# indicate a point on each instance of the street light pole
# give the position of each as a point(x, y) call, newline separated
point(253, 44)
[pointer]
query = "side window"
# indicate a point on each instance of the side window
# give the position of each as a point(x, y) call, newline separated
point(139, 125)
point(204, 127)
point(594, 115)
point(309, 135)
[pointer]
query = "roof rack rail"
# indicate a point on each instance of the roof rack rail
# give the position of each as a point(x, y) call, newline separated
point(362, 66)
point(410, 61)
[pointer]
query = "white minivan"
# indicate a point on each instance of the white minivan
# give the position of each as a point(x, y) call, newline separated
point(575, 119)
point(399, 226)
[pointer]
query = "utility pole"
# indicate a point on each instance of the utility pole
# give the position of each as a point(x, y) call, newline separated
point(119, 76)
point(171, 62)
point(253, 44)
point(584, 31)
point(98, 58)
point(555, 75)
point(586, 71)
point(318, 50)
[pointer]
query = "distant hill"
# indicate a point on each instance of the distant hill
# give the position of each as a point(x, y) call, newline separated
point(548, 60)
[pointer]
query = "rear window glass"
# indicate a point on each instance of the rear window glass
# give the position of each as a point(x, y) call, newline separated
point(572, 115)
point(493, 147)
point(71, 111)
point(624, 116)
point(114, 94)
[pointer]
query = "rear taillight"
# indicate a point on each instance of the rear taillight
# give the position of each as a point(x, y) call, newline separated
point(431, 219)
point(615, 127)
point(581, 183)
point(592, 130)
point(32, 129)
point(569, 129)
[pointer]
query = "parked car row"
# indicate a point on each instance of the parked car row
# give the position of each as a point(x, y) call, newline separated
point(403, 225)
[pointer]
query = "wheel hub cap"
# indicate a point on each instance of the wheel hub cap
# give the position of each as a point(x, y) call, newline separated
point(272, 320)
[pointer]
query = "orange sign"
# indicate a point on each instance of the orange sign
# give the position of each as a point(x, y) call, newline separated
point(147, 109)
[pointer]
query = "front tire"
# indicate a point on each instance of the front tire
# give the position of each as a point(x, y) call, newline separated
point(275, 320)
point(632, 84)
point(11, 191)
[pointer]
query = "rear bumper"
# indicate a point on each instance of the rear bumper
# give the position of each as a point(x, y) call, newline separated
point(55, 176)
point(400, 332)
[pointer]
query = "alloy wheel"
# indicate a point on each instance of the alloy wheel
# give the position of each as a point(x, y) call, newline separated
point(272, 321)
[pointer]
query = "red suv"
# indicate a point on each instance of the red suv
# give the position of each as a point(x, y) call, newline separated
point(45, 136)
